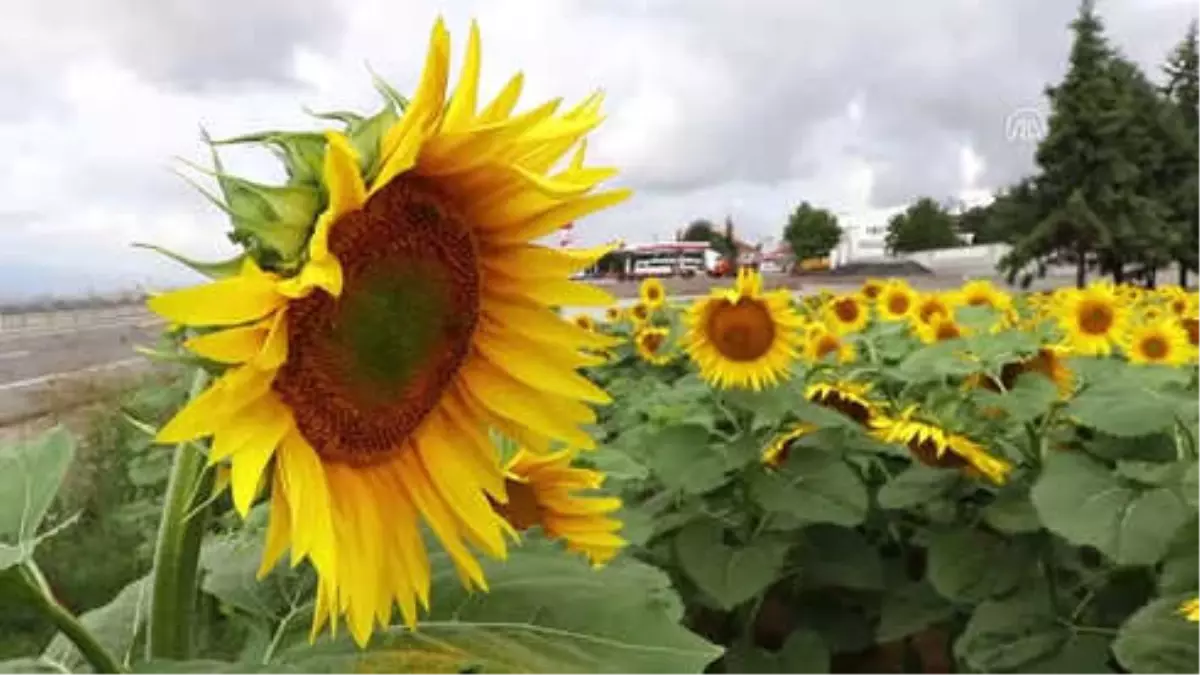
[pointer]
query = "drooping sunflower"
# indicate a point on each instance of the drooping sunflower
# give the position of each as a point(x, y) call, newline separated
point(851, 399)
point(822, 344)
point(1191, 327)
point(1049, 362)
point(651, 345)
point(897, 301)
point(652, 293)
point(1163, 342)
point(541, 491)
point(846, 314)
point(584, 321)
point(1092, 318)
point(776, 453)
point(366, 362)
point(742, 337)
point(934, 446)
point(939, 329)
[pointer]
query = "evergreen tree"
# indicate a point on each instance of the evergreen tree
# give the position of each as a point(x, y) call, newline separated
point(811, 232)
point(1077, 162)
point(1182, 157)
point(923, 226)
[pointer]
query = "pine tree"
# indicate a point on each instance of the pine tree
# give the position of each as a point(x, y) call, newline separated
point(1180, 171)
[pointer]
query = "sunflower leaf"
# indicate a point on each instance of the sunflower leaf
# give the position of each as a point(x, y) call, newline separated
point(302, 153)
point(1158, 639)
point(31, 474)
point(729, 575)
point(1005, 635)
point(547, 612)
point(970, 565)
point(815, 487)
point(116, 626)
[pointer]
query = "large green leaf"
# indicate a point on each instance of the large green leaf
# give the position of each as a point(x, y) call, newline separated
point(29, 666)
point(729, 575)
point(230, 565)
point(1181, 566)
point(935, 362)
point(1130, 408)
point(916, 485)
point(1012, 511)
point(682, 459)
point(31, 474)
point(840, 557)
point(814, 487)
point(910, 609)
point(1030, 397)
point(802, 652)
point(970, 566)
point(1082, 653)
point(1008, 634)
point(1158, 639)
point(1083, 501)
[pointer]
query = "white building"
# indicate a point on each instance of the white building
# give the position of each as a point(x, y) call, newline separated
point(860, 242)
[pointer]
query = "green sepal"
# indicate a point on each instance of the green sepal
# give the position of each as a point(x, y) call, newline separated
point(397, 100)
point(302, 153)
point(212, 270)
point(272, 221)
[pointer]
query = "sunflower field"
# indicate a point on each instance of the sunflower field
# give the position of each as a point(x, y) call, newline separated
point(394, 444)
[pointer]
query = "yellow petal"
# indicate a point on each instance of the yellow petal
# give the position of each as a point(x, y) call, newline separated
point(246, 474)
point(526, 226)
point(462, 104)
point(502, 106)
point(208, 411)
point(260, 422)
point(342, 179)
point(503, 396)
point(542, 324)
point(554, 292)
point(279, 528)
point(234, 345)
point(530, 261)
point(308, 495)
point(224, 302)
point(401, 143)
point(275, 348)
point(538, 365)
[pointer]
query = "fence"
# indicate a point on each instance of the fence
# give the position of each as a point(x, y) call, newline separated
point(67, 318)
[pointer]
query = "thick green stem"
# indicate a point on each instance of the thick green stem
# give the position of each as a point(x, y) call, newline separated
point(177, 552)
point(65, 622)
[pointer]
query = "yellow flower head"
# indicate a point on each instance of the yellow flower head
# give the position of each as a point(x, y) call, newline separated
point(981, 293)
point(363, 369)
point(1190, 610)
point(613, 314)
point(821, 345)
point(897, 301)
point(742, 337)
point(939, 329)
point(584, 321)
point(776, 453)
point(846, 314)
point(640, 313)
point(931, 306)
point(871, 288)
point(849, 398)
point(542, 491)
point(1092, 318)
point(651, 345)
point(1162, 342)
point(1048, 362)
point(652, 293)
point(934, 446)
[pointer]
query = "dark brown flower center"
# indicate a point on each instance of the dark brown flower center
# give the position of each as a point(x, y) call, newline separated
point(844, 404)
point(1154, 347)
point(846, 310)
point(947, 330)
point(871, 290)
point(523, 510)
point(652, 341)
point(1192, 326)
point(741, 331)
point(827, 345)
point(364, 369)
point(931, 309)
point(640, 311)
point(926, 452)
point(898, 303)
point(1095, 318)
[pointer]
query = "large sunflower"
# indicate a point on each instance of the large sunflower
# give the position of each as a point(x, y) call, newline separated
point(742, 337)
point(418, 315)
point(541, 493)
point(1092, 318)
point(1163, 342)
point(934, 446)
point(931, 306)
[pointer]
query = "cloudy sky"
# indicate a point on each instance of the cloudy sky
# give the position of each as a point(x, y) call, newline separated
point(716, 107)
